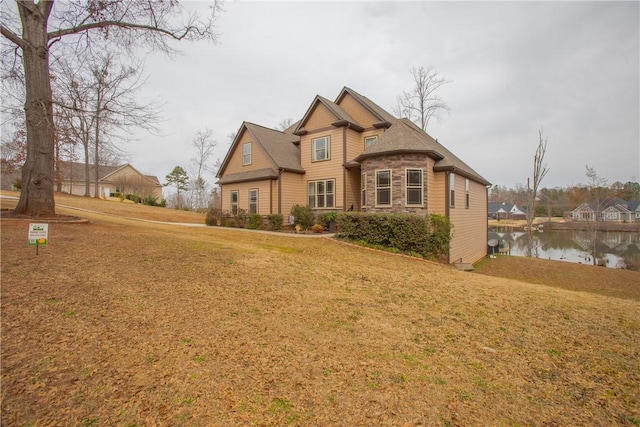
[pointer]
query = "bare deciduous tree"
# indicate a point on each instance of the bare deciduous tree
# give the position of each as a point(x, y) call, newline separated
point(97, 102)
point(204, 145)
point(533, 185)
point(284, 124)
point(422, 103)
point(42, 27)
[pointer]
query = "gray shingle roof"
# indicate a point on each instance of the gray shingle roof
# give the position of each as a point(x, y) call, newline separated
point(75, 172)
point(252, 175)
point(405, 137)
point(279, 146)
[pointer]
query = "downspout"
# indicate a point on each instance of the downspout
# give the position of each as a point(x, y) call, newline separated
point(344, 169)
point(487, 210)
point(280, 171)
point(447, 208)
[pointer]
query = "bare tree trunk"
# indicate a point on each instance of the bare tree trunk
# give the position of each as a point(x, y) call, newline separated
point(87, 179)
point(539, 171)
point(36, 196)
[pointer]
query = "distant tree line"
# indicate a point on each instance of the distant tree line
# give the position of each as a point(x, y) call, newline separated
point(557, 201)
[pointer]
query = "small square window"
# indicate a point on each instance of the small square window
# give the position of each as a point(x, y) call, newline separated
point(370, 140)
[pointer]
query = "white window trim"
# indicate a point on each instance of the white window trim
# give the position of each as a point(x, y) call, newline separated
point(467, 196)
point(244, 155)
point(407, 187)
point(315, 194)
point(257, 199)
point(314, 151)
point(452, 190)
point(390, 188)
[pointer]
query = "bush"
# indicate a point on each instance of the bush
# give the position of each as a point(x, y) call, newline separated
point(325, 219)
point(255, 222)
point(303, 216)
point(214, 216)
point(133, 198)
point(317, 228)
point(440, 235)
point(241, 218)
point(410, 234)
point(274, 222)
point(150, 201)
point(229, 222)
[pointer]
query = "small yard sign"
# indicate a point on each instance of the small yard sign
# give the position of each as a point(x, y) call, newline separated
point(38, 234)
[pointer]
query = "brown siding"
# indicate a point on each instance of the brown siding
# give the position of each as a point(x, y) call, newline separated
point(360, 114)
point(328, 169)
point(259, 158)
point(293, 192)
point(437, 194)
point(320, 117)
point(264, 202)
point(352, 189)
point(469, 241)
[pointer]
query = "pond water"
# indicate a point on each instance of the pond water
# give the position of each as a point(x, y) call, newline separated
point(613, 249)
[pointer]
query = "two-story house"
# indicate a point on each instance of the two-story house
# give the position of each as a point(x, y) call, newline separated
point(350, 154)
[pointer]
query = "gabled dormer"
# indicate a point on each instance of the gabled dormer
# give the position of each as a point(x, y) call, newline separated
point(323, 113)
point(259, 152)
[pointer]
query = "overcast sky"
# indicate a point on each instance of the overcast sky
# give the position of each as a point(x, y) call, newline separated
point(571, 69)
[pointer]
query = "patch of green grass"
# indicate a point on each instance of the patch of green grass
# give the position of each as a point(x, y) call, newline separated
point(554, 352)
point(90, 422)
point(280, 405)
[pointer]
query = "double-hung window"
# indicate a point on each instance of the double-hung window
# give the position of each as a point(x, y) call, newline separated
point(234, 202)
point(452, 190)
point(253, 201)
point(246, 154)
point(320, 149)
point(321, 194)
point(467, 200)
point(414, 187)
point(383, 187)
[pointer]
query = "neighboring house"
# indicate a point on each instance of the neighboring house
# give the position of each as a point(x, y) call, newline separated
point(351, 154)
point(634, 208)
point(616, 213)
point(123, 179)
point(583, 212)
point(503, 210)
point(611, 211)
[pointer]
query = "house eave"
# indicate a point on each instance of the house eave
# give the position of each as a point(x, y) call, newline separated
point(382, 125)
point(348, 124)
point(433, 154)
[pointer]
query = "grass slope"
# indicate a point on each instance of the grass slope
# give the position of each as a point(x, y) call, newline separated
point(120, 322)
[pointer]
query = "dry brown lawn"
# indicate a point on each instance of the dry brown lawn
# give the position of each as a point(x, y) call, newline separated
point(118, 322)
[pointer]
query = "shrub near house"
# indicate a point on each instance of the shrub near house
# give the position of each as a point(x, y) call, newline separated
point(352, 155)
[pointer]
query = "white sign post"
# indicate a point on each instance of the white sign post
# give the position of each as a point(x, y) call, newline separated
point(38, 235)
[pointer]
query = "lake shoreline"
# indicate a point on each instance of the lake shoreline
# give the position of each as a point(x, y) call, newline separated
point(542, 224)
